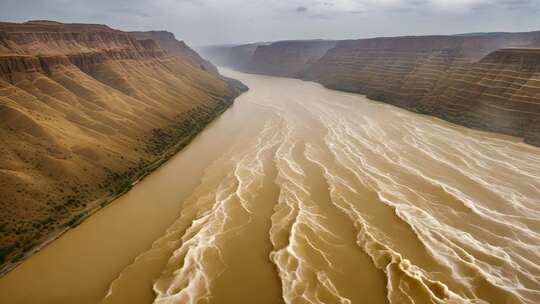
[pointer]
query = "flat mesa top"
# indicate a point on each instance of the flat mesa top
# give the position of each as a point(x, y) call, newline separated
point(52, 26)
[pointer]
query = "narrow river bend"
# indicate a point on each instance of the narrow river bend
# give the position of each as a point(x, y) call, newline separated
point(300, 194)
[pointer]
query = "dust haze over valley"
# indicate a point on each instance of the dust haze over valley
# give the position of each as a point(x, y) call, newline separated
point(201, 151)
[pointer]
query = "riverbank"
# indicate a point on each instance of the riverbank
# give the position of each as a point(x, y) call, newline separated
point(116, 184)
point(80, 264)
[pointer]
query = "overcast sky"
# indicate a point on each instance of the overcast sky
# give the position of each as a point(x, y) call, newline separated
point(201, 22)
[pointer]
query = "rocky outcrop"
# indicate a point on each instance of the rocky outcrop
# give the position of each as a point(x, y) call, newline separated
point(85, 111)
point(19, 64)
point(287, 58)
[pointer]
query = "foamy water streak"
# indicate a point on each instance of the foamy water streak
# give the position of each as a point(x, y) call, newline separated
point(338, 199)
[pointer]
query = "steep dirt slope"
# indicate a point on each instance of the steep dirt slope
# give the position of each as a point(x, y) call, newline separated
point(85, 111)
point(168, 42)
point(287, 58)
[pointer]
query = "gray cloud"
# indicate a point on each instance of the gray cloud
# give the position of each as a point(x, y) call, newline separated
point(229, 21)
point(418, 2)
point(319, 16)
point(519, 8)
point(520, 4)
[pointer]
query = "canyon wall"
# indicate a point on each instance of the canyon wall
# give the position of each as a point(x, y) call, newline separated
point(405, 67)
point(487, 81)
point(464, 79)
point(499, 93)
point(283, 58)
point(287, 58)
point(179, 49)
point(232, 56)
point(85, 111)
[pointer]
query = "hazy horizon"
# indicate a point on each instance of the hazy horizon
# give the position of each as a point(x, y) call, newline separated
point(206, 22)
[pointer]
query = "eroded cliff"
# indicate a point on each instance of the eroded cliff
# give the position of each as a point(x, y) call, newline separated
point(85, 111)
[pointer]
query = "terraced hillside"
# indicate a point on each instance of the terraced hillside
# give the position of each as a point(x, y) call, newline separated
point(85, 111)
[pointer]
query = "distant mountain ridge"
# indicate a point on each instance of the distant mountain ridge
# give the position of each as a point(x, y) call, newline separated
point(235, 56)
point(287, 58)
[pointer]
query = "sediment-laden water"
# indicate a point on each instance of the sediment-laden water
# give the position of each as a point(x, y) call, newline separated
point(326, 197)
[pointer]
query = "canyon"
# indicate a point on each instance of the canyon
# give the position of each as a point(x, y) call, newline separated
point(489, 81)
point(85, 112)
point(382, 170)
point(316, 196)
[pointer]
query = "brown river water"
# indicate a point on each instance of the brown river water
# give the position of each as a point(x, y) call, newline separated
point(300, 194)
